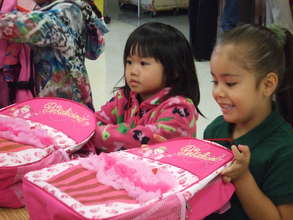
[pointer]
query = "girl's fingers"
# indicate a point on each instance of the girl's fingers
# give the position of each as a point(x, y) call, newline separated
point(241, 152)
point(236, 152)
point(227, 179)
point(245, 150)
point(240, 163)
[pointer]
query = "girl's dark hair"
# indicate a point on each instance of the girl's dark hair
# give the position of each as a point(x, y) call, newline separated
point(261, 50)
point(169, 46)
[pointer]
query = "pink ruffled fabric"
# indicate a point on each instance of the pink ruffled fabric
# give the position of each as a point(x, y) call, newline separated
point(141, 181)
point(20, 130)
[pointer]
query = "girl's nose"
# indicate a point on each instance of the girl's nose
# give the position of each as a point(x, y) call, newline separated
point(134, 69)
point(218, 91)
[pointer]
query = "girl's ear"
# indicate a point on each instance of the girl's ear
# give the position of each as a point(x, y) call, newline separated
point(270, 83)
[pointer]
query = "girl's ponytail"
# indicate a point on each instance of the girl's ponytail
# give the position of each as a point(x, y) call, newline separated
point(284, 95)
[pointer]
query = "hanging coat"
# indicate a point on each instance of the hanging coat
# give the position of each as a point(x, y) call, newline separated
point(61, 35)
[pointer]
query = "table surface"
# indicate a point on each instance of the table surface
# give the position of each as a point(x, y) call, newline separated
point(13, 214)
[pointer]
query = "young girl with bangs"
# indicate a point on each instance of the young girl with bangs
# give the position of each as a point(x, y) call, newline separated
point(160, 95)
point(250, 65)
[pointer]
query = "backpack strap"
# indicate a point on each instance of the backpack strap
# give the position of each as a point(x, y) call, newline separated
point(14, 86)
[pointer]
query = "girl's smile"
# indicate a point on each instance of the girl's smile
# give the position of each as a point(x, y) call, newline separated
point(226, 108)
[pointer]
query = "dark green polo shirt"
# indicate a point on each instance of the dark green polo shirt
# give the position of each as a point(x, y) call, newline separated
point(271, 164)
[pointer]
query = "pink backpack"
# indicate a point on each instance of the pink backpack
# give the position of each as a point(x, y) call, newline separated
point(15, 63)
point(176, 179)
point(35, 134)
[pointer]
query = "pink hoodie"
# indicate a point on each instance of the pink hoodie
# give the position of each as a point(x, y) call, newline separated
point(126, 123)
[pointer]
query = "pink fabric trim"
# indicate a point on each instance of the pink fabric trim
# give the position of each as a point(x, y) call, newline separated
point(140, 180)
point(19, 130)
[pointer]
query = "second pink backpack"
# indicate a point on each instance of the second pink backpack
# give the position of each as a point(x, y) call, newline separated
point(177, 179)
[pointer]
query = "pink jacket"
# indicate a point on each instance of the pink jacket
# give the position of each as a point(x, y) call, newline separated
point(126, 123)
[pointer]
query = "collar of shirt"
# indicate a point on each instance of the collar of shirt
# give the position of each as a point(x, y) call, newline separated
point(264, 130)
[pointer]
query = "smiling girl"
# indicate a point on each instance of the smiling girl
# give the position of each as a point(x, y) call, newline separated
point(247, 67)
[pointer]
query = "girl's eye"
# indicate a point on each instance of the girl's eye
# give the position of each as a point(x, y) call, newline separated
point(214, 82)
point(230, 84)
point(143, 63)
point(128, 61)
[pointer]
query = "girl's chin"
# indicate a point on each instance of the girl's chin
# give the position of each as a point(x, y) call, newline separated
point(228, 118)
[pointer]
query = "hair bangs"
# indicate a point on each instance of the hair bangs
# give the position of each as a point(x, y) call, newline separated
point(142, 47)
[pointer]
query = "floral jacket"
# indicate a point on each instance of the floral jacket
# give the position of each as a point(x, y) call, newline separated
point(127, 123)
point(61, 35)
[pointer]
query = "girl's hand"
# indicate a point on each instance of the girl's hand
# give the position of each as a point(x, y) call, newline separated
point(157, 138)
point(239, 167)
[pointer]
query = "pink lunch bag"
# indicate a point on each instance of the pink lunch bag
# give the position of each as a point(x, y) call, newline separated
point(176, 179)
point(35, 134)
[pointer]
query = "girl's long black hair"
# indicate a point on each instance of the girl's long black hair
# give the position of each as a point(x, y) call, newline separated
point(169, 46)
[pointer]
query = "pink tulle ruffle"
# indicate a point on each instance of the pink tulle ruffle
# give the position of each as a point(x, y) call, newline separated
point(21, 131)
point(141, 181)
